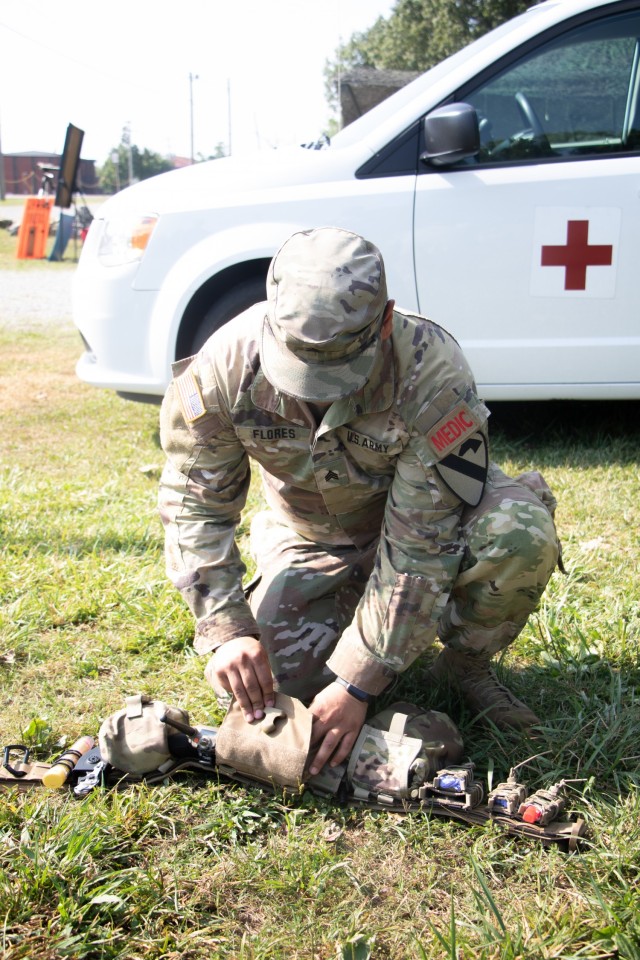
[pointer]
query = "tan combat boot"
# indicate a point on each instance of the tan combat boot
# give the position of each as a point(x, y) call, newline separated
point(482, 691)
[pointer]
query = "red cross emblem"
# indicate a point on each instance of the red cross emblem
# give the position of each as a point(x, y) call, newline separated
point(577, 255)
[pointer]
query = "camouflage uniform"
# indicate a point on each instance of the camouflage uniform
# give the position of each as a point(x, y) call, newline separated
point(364, 554)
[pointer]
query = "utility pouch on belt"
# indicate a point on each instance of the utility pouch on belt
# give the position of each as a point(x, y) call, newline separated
point(382, 761)
point(274, 749)
point(135, 739)
point(400, 747)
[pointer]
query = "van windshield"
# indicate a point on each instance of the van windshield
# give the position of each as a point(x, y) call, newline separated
point(375, 117)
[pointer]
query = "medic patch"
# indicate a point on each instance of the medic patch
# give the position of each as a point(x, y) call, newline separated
point(465, 470)
point(190, 396)
point(451, 429)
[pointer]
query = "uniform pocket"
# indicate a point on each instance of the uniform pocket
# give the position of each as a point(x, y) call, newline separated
point(398, 620)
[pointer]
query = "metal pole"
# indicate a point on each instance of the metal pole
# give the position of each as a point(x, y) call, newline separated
point(229, 115)
point(192, 77)
point(2, 184)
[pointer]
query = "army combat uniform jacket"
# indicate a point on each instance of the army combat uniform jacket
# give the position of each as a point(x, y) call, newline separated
point(372, 469)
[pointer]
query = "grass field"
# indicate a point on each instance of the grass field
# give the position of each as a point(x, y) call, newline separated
point(197, 869)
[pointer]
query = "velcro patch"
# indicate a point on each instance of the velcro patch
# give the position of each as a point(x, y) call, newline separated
point(331, 473)
point(387, 447)
point(190, 396)
point(451, 429)
point(465, 470)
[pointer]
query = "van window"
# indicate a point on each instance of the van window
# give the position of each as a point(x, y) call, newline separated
point(576, 96)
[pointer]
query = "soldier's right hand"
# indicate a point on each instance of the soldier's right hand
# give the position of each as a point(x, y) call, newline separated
point(241, 667)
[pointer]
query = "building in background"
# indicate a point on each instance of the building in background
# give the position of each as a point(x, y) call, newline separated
point(365, 87)
point(24, 173)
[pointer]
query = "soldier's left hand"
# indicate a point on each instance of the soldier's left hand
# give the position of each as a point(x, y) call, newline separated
point(337, 721)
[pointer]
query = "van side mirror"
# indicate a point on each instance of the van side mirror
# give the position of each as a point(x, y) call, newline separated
point(451, 134)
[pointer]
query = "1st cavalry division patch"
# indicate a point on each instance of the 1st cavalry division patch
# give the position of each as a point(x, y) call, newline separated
point(465, 470)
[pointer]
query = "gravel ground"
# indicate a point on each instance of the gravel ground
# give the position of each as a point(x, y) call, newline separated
point(31, 297)
point(34, 298)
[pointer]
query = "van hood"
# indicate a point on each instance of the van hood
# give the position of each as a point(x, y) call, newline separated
point(215, 183)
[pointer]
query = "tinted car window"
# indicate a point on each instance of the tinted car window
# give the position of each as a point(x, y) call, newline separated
point(576, 96)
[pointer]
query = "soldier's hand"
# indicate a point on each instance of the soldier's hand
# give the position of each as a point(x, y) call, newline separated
point(241, 667)
point(337, 721)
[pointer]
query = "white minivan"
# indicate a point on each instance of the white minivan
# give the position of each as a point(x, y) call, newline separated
point(502, 187)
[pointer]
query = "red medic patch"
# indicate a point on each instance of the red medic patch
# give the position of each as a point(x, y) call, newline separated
point(451, 430)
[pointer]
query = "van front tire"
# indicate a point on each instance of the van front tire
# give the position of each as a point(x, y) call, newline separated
point(226, 307)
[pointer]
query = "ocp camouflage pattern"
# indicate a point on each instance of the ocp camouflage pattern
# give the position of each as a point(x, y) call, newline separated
point(401, 747)
point(364, 544)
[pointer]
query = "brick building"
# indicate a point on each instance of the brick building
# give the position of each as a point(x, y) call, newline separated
point(23, 173)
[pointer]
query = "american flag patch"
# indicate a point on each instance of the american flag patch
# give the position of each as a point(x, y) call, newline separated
point(190, 396)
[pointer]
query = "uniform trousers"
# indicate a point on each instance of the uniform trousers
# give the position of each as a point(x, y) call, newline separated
point(305, 594)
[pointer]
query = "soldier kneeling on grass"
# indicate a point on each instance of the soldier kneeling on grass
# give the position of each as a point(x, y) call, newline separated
point(386, 528)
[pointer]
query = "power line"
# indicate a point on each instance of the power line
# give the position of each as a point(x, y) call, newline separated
point(61, 54)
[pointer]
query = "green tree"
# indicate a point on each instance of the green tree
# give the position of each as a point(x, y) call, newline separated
point(418, 34)
point(219, 152)
point(127, 164)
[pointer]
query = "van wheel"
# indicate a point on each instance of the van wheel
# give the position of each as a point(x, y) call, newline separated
point(228, 306)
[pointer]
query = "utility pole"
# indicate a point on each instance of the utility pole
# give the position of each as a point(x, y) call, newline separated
point(115, 159)
point(126, 141)
point(2, 184)
point(192, 77)
point(130, 158)
point(229, 115)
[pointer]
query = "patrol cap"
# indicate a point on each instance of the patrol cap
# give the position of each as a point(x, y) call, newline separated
point(326, 292)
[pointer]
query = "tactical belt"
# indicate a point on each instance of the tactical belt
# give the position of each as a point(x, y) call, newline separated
point(405, 760)
point(564, 834)
point(17, 770)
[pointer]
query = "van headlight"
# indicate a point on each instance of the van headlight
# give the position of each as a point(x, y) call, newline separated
point(124, 239)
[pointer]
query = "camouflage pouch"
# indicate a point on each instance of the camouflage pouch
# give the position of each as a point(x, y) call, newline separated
point(400, 748)
point(135, 740)
point(273, 750)
point(535, 482)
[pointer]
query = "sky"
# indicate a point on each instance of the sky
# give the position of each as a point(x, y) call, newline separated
point(176, 72)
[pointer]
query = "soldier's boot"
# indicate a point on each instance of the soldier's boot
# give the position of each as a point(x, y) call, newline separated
point(482, 691)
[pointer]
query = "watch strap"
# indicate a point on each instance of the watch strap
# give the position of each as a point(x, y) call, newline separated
point(356, 692)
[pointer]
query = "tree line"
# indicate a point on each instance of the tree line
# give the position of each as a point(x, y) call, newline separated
point(127, 164)
point(417, 35)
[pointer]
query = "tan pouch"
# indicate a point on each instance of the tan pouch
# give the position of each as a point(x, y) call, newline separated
point(135, 740)
point(273, 750)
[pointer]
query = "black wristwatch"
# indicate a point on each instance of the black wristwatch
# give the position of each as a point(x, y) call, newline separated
point(356, 692)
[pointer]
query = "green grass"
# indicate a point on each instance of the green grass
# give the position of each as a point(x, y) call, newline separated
point(197, 869)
